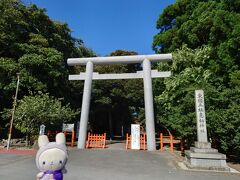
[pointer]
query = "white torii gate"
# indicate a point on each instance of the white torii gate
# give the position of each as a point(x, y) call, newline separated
point(147, 74)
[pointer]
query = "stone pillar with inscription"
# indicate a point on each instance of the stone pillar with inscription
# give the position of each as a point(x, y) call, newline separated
point(202, 156)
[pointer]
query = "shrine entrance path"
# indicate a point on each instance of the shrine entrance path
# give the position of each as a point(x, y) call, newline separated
point(109, 164)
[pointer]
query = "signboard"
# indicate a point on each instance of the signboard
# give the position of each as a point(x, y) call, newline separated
point(68, 127)
point(201, 118)
point(135, 135)
point(42, 129)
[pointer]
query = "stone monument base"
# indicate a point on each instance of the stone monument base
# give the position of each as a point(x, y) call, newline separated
point(202, 156)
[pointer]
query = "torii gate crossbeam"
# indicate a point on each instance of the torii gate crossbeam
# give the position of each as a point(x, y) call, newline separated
point(147, 74)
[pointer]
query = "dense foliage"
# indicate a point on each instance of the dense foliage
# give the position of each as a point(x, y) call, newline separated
point(32, 111)
point(207, 35)
point(36, 47)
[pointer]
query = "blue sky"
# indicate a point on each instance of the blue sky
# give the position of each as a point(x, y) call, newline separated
point(108, 25)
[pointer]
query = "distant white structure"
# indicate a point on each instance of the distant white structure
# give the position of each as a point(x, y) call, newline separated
point(147, 74)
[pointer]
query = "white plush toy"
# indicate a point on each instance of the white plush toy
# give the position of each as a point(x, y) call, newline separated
point(51, 157)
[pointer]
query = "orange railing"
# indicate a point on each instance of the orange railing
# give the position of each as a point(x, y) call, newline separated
point(169, 140)
point(72, 137)
point(143, 142)
point(96, 140)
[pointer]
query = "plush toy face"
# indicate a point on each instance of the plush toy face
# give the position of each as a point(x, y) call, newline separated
point(51, 156)
point(52, 160)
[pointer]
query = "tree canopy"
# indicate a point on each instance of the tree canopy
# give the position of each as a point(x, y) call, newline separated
point(205, 38)
point(32, 111)
point(36, 47)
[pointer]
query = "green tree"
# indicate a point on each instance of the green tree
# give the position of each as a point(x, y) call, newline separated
point(201, 24)
point(32, 111)
point(36, 47)
point(198, 22)
point(176, 107)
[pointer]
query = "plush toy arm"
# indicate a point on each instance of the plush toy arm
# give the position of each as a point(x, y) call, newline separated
point(40, 175)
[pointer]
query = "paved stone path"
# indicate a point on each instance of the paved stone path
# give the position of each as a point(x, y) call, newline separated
point(109, 165)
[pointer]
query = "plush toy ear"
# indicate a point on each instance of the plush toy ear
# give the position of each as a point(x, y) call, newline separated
point(60, 138)
point(42, 140)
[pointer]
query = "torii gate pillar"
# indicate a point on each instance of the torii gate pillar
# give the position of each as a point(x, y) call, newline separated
point(85, 106)
point(148, 101)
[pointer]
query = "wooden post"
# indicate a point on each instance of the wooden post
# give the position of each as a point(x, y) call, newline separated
point(144, 141)
point(88, 140)
point(171, 142)
point(182, 145)
point(126, 141)
point(72, 139)
point(161, 141)
point(13, 112)
point(48, 133)
point(104, 145)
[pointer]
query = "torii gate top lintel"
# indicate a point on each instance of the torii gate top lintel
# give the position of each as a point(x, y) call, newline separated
point(119, 59)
